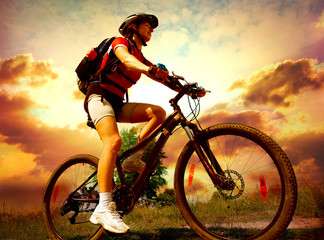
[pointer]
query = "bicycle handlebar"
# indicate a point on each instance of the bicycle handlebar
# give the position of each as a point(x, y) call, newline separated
point(190, 89)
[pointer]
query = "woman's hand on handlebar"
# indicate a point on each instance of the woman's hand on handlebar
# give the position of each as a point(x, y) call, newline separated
point(159, 72)
point(196, 92)
point(173, 83)
point(190, 89)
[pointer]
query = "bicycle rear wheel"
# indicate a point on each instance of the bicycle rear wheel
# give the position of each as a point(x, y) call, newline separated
point(70, 197)
point(263, 201)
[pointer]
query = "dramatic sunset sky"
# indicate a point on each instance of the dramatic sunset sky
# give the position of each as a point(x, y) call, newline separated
point(263, 61)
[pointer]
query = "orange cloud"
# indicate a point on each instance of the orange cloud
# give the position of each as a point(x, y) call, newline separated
point(20, 128)
point(42, 146)
point(306, 146)
point(277, 85)
point(50, 145)
point(78, 95)
point(262, 120)
point(25, 67)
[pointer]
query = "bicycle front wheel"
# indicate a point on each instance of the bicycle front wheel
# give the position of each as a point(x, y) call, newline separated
point(70, 197)
point(263, 200)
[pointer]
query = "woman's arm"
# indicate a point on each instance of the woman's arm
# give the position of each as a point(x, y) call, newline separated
point(131, 62)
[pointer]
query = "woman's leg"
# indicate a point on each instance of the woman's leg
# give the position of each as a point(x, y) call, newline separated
point(106, 213)
point(142, 112)
point(108, 132)
point(135, 113)
point(103, 116)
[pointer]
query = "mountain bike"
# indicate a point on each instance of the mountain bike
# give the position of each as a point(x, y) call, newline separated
point(231, 181)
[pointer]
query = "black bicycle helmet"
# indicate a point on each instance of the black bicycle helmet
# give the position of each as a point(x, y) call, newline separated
point(137, 18)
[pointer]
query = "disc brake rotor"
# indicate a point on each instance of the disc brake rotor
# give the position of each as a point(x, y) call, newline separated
point(237, 191)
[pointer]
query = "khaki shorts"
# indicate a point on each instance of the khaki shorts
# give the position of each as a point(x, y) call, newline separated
point(99, 109)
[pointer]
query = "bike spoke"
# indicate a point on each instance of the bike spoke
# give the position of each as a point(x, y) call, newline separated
point(69, 209)
point(243, 210)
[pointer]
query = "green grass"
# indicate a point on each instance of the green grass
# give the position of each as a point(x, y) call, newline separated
point(310, 199)
point(22, 226)
point(145, 223)
point(164, 233)
point(161, 223)
point(148, 218)
point(143, 227)
point(303, 234)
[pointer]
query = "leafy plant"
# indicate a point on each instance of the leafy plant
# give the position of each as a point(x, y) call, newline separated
point(129, 139)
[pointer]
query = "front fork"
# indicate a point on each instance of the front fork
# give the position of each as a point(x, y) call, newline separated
point(207, 158)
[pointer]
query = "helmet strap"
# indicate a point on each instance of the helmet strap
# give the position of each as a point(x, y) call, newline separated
point(140, 37)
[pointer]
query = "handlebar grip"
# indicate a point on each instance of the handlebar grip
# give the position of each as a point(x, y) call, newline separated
point(190, 89)
point(172, 78)
point(173, 83)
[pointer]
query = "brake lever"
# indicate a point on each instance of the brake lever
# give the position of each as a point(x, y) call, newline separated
point(177, 76)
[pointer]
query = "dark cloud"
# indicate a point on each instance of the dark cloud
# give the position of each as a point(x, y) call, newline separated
point(21, 67)
point(21, 195)
point(276, 86)
point(305, 148)
point(254, 118)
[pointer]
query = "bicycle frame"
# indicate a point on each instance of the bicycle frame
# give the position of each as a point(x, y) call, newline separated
point(166, 129)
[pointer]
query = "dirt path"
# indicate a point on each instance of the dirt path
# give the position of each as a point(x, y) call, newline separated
point(300, 222)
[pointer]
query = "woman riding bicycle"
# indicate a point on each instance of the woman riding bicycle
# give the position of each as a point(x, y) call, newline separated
point(235, 164)
point(104, 102)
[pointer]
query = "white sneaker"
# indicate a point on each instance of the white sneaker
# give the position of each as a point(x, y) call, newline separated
point(134, 164)
point(110, 220)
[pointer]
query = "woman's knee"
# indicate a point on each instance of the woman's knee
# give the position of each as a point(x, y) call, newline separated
point(159, 113)
point(113, 143)
point(147, 112)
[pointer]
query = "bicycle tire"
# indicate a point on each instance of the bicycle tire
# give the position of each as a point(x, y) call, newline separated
point(58, 188)
point(221, 214)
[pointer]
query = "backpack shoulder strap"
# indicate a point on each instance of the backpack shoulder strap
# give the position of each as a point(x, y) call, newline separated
point(130, 48)
point(114, 61)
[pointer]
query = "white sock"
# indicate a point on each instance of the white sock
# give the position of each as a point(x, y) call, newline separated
point(104, 200)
